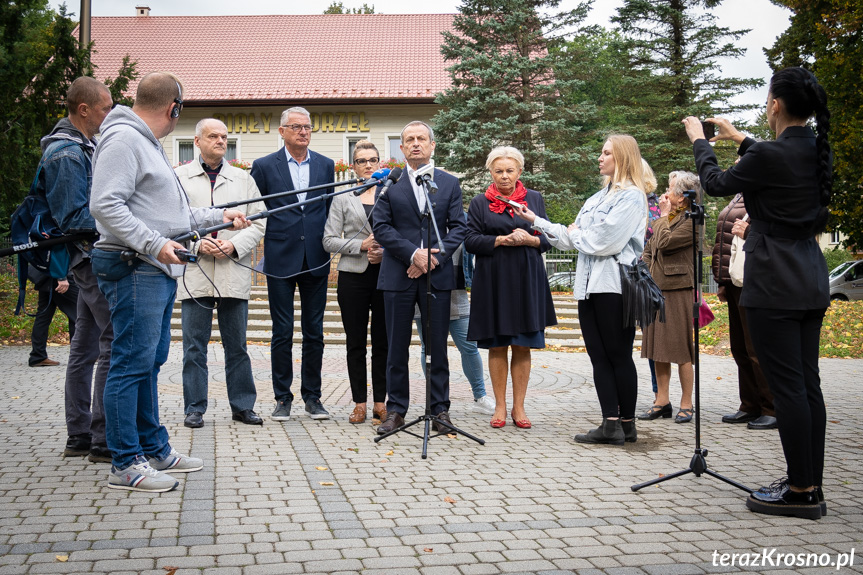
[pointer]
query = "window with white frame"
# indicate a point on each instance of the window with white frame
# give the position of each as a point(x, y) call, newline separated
point(834, 237)
point(350, 145)
point(394, 150)
point(186, 151)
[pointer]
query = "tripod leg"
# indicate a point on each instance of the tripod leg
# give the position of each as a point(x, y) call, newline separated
point(398, 429)
point(660, 479)
point(459, 431)
point(426, 438)
point(728, 481)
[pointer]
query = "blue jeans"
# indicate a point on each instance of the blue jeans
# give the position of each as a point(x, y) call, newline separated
point(197, 320)
point(141, 305)
point(471, 360)
point(313, 300)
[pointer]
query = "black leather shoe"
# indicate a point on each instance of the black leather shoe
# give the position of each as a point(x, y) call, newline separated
point(99, 453)
point(657, 411)
point(194, 419)
point(610, 433)
point(78, 444)
point(779, 499)
point(763, 422)
point(439, 427)
point(248, 417)
point(393, 421)
point(630, 434)
point(739, 417)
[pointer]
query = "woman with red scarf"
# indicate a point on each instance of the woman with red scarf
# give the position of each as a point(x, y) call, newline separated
point(511, 302)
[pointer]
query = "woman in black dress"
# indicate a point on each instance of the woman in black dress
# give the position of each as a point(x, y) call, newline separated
point(511, 302)
point(786, 185)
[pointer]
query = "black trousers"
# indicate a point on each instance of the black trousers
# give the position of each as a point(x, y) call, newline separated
point(358, 295)
point(786, 342)
point(49, 301)
point(610, 349)
point(755, 396)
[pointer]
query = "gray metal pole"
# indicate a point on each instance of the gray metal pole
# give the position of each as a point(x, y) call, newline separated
point(84, 25)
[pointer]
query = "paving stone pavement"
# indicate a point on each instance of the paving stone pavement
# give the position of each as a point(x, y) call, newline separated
point(308, 496)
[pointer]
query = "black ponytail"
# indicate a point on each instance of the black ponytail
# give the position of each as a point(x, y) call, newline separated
point(804, 97)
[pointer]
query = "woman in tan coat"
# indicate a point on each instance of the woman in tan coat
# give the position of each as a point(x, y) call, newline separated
point(668, 254)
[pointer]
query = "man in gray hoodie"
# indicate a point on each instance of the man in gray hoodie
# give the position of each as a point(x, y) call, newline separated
point(139, 204)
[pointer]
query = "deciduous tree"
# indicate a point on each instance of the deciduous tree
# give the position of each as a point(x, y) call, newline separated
point(826, 36)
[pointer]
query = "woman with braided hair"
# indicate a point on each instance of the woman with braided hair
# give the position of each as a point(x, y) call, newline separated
point(786, 184)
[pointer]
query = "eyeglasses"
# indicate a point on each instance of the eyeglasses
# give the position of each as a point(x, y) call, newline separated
point(299, 127)
point(363, 161)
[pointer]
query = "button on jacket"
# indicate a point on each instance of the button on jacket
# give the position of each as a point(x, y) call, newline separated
point(232, 184)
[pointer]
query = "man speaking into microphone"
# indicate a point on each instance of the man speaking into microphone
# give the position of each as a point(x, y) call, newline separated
point(401, 227)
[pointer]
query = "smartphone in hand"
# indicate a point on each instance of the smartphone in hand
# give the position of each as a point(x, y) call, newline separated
point(709, 129)
point(509, 202)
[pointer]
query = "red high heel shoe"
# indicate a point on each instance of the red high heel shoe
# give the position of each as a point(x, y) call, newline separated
point(520, 423)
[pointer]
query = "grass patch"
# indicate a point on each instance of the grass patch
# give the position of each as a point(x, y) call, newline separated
point(15, 330)
point(841, 333)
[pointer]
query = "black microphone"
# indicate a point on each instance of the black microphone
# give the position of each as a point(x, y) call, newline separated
point(391, 179)
point(380, 175)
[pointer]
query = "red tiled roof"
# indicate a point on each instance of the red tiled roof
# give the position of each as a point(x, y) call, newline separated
point(281, 58)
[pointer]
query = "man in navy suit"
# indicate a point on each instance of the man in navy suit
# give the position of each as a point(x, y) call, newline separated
point(401, 228)
point(294, 253)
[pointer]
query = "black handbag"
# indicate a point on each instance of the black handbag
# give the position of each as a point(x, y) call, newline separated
point(643, 302)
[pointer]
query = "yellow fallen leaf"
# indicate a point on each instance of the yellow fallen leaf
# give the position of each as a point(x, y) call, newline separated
point(451, 435)
point(718, 378)
point(321, 468)
point(16, 397)
point(428, 549)
point(449, 499)
point(326, 483)
point(62, 558)
point(390, 452)
point(385, 460)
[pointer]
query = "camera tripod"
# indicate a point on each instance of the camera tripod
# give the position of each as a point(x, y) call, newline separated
point(698, 463)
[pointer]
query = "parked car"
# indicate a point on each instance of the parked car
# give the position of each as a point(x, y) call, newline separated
point(561, 281)
point(846, 281)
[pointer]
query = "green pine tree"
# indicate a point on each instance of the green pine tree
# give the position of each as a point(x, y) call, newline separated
point(505, 92)
point(39, 58)
point(674, 48)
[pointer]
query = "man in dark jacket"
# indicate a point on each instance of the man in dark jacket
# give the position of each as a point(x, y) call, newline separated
point(64, 178)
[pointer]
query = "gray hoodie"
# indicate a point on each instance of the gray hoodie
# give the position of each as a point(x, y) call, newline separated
point(136, 198)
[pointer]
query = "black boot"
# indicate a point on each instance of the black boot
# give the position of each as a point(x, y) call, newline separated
point(610, 432)
point(629, 431)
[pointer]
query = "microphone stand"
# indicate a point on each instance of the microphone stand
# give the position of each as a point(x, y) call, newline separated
point(289, 193)
point(196, 235)
point(698, 463)
point(428, 185)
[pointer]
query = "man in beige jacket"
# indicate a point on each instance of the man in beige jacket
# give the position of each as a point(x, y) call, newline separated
point(217, 281)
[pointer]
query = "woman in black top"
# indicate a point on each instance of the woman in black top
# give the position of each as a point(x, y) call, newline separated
point(786, 185)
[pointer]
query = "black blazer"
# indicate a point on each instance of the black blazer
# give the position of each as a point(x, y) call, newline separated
point(294, 234)
point(400, 229)
point(784, 267)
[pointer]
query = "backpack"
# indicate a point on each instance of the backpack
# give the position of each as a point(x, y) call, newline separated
point(30, 223)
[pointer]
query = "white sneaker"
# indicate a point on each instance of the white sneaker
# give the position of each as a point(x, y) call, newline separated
point(484, 404)
point(141, 477)
point(177, 463)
